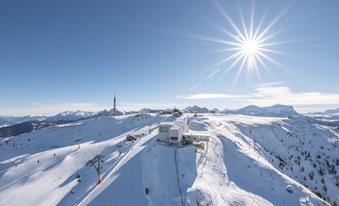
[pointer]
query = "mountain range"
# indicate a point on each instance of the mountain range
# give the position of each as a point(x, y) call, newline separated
point(247, 160)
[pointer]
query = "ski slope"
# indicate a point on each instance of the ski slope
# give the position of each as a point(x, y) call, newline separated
point(240, 165)
point(39, 168)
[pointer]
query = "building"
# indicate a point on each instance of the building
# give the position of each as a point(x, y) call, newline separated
point(195, 137)
point(178, 133)
point(171, 132)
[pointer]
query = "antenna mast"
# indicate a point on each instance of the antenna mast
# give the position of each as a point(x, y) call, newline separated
point(114, 104)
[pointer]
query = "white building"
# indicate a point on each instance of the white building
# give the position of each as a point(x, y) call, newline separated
point(194, 137)
point(178, 133)
point(171, 132)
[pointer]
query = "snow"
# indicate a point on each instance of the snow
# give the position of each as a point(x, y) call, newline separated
point(197, 125)
point(195, 108)
point(70, 116)
point(23, 175)
point(10, 120)
point(240, 165)
point(270, 111)
point(330, 115)
point(332, 111)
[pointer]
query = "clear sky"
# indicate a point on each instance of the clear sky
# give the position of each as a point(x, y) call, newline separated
point(75, 54)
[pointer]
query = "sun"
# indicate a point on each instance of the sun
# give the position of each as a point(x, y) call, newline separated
point(248, 45)
point(250, 51)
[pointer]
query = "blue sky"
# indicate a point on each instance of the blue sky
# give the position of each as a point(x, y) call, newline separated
point(72, 54)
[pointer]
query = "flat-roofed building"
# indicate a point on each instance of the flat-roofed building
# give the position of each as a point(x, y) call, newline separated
point(178, 133)
point(171, 132)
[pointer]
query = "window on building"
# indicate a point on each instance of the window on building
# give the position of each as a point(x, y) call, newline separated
point(163, 129)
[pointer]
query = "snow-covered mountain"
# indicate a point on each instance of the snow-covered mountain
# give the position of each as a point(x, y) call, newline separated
point(4, 122)
point(145, 110)
point(10, 120)
point(63, 117)
point(249, 160)
point(197, 109)
point(215, 110)
point(327, 115)
point(12, 126)
point(332, 111)
point(67, 116)
point(70, 116)
point(270, 111)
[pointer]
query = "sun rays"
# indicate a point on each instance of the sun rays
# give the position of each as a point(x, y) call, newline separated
point(248, 44)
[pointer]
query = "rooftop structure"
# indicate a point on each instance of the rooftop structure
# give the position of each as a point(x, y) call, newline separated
point(171, 132)
point(178, 133)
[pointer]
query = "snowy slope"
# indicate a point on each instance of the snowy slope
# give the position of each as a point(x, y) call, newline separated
point(39, 168)
point(227, 172)
point(249, 160)
point(295, 147)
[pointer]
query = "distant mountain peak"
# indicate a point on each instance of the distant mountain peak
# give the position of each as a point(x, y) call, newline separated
point(196, 108)
point(332, 111)
point(274, 110)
